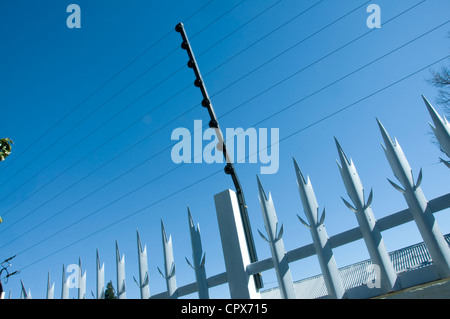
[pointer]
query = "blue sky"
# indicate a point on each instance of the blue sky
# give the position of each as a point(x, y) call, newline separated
point(49, 71)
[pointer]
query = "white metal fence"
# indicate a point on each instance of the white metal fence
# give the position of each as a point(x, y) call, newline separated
point(382, 275)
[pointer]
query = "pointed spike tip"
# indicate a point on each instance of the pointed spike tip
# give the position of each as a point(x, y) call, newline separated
point(383, 130)
point(299, 173)
point(428, 105)
point(141, 250)
point(120, 259)
point(341, 153)
point(190, 219)
point(386, 137)
point(98, 260)
point(261, 189)
point(435, 116)
point(117, 252)
point(164, 234)
point(163, 230)
point(338, 145)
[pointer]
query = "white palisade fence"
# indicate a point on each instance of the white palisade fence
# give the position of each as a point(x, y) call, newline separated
point(382, 273)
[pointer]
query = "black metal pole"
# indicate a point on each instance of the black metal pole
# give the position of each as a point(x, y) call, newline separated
point(229, 168)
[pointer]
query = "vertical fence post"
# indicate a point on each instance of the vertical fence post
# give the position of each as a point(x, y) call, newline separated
point(143, 269)
point(65, 285)
point(100, 279)
point(50, 288)
point(367, 222)
point(319, 235)
point(417, 203)
point(441, 130)
point(198, 259)
point(280, 262)
point(234, 246)
point(120, 267)
point(169, 265)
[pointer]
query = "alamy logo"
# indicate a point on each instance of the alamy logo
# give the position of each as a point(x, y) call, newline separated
point(74, 19)
point(73, 279)
point(374, 19)
point(237, 142)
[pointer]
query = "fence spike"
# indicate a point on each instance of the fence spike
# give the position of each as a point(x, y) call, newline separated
point(277, 250)
point(319, 235)
point(81, 281)
point(100, 273)
point(196, 242)
point(139, 244)
point(164, 235)
point(65, 286)
point(169, 264)
point(120, 268)
point(397, 160)
point(198, 258)
point(367, 222)
point(418, 205)
point(441, 128)
point(50, 288)
point(352, 182)
point(143, 269)
point(24, 294)
point(307, 195)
